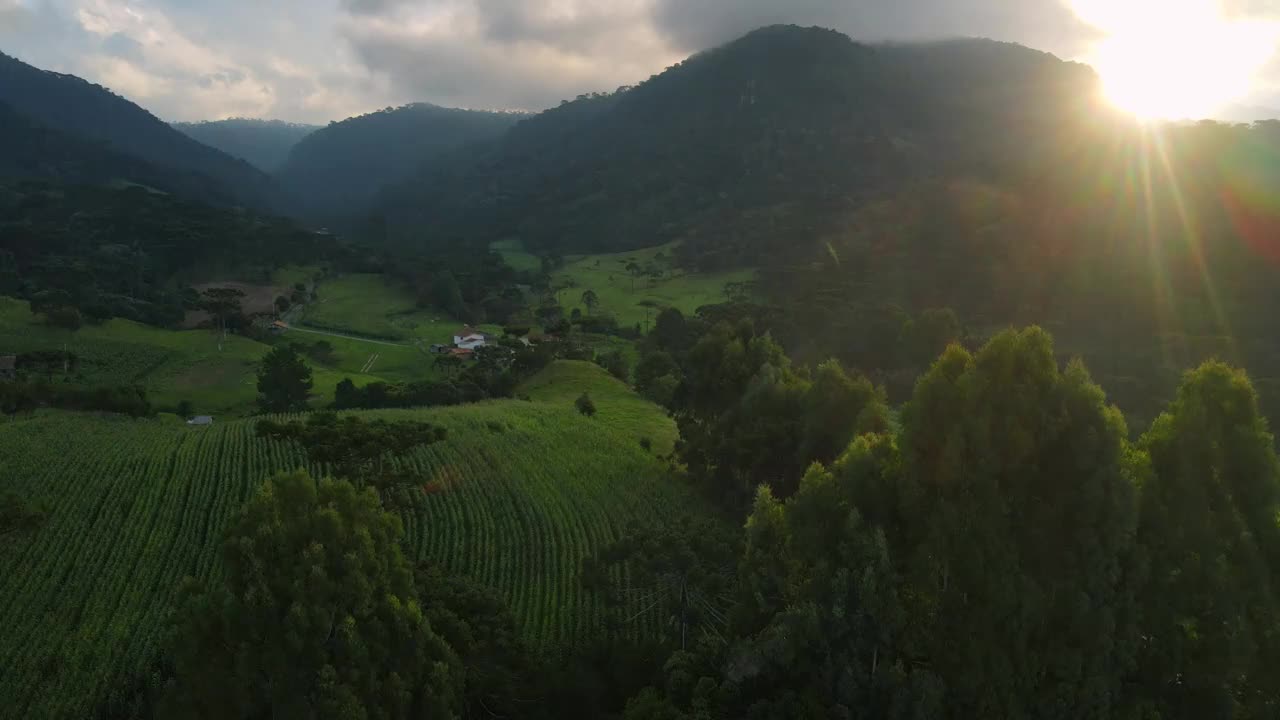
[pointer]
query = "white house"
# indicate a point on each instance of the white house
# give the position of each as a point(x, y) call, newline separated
point(468, 338)
point(200, 420)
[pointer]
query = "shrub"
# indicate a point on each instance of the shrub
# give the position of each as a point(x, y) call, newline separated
point(585, 405)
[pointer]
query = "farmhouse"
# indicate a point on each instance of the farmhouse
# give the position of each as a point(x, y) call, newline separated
point(468, 338)
point(200, 420)
point(8, 367)
point(462, 353)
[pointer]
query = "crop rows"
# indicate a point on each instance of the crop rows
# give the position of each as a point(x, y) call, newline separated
point(519, 494)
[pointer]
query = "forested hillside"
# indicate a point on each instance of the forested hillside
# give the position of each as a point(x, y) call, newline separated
point(265, 144)
point(744, 149)
point(29, 150)
point(339, 169)
point(72, 105)
point(106, 252)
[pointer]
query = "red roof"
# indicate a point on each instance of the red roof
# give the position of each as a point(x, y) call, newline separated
point(461, 352)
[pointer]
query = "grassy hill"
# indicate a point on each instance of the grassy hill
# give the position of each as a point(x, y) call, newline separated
point(620, 293)
point(525, 491)
point(374, 306)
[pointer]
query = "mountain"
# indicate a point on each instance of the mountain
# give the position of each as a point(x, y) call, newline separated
point(741, 150)
point(265, 144)
point(72, 105)
point(339, 169)
point(29, 150)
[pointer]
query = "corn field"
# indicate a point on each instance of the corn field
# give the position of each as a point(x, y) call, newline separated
point(516, 497)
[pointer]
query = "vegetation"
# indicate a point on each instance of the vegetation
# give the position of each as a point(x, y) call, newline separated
point(515, 497)
point(342, 166)
point(128, 252)
point(67, 104)
point(284, 381)
point(319, 602)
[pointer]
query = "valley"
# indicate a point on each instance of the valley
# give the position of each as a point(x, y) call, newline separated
point(807, 378)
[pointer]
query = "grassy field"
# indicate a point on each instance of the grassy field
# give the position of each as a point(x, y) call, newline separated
point(624, 413)
point(621, 294)
point(373, 306)
point(514, 254)
point(175, 365)
point(133, 506)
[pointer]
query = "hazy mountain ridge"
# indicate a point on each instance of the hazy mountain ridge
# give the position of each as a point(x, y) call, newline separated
point(265, 144)
point(341, 168)
point(763, 138)
point(73, 105)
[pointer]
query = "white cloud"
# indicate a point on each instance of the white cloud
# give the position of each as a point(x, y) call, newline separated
point(317, 60)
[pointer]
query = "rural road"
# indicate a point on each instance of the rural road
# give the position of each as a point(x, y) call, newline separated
point(295, 328)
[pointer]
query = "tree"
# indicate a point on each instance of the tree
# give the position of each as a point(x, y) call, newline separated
point(223, 304)
point(1208, 531)
point(591, 300)
point(682, 572)
point(1016, 498)
point(585, 405)
point(316, 616)
point(616, 363)
point(501, 673)
point(284, 381)
point(346, 395)
point(185, 409)
point(357, 450)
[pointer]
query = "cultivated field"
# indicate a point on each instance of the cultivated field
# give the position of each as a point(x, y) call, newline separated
point(521, 492)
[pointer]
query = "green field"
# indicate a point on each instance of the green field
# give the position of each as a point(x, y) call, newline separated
point(374, 306)
point(514, 255)
point(175, 365)
point(529, 489)
point(620, 294)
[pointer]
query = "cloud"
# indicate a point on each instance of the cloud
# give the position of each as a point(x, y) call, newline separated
point(14, 16)
point(526, 54)
point(1045, 24)
point(319, 60)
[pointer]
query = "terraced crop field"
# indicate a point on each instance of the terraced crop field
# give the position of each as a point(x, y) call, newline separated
point(519, 493)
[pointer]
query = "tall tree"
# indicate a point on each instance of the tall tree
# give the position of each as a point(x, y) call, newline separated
point(316, 617)
point(1211, 538)
point(224, 305)
point(591, 300)
point(284, 381)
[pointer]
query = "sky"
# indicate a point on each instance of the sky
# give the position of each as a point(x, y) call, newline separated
point(320, 60)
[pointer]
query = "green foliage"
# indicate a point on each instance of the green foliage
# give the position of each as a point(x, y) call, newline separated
point(585, 405)
point(501, 673)
point(284, 381)
point(338, 170)
point(616, 364)
point(317, 616)
point(1211, 539)
point(362, 452)
point(139, 147)
point(133, 506)
point(746, 417)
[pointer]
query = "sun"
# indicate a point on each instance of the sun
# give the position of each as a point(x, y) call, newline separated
point(1175, 59)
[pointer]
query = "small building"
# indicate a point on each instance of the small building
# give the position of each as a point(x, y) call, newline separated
point(469, 338)
point(200, 420)
point(279, 326)
point(462, 353)
point(438, 348)
point(8, 367)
